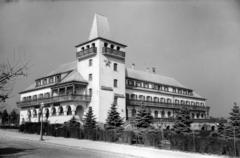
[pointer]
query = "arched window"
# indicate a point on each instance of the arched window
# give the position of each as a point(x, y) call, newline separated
point(156, 99)
point(202, 104)
point(69, 111)
point(198, 115)
point(202, 115)
point(60, 110)
point(176, 101)
point(47, 113)
point(182, 102)
point(192, 103)
point(193, 115)
point(53, 111)
point(169, 113)
point(35, 97)
point(187, 102)
point(133, 112)
point(156, 114)
point(162, 100)
point(34, 113)
point(163, 113)
point(105, 44)
point(47, 95)
point(133, 96)
point(169, 100)
point(149, 98)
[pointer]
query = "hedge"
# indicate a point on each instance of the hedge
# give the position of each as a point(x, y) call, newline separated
point(148, 137)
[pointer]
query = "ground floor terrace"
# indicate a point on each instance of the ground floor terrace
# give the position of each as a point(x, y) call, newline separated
point(56, 109)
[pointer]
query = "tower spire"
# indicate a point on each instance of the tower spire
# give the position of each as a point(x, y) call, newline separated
point(100, 27)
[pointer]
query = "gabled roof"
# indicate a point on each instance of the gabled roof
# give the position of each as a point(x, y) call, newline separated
point(71, 74)
point(152, 77)
point(156, 78)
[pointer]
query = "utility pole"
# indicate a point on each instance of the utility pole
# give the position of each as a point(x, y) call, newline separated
point(41, 128)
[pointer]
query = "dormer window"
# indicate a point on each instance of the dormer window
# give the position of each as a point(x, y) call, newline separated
point(118, 48)
point(58, 78)
point(44, 81)
point(88, 46)
point(51, 80)
point(93, 44)
point(82, 48)
point(112, 46)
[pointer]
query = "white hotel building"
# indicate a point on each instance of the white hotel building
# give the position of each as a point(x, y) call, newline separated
point(98, 78)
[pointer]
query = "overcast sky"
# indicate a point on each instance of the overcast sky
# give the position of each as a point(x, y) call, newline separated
point(197, 42)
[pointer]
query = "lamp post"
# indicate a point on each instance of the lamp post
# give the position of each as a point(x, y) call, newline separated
point(41, 128)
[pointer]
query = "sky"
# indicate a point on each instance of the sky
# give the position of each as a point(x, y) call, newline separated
point(196, 42)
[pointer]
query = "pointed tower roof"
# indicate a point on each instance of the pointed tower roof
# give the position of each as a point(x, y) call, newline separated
point(100, 28)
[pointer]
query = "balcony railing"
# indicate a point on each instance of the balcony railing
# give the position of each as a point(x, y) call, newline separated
point(113, 52)
point(55, 99)
point(86, 53)
point(131, 102)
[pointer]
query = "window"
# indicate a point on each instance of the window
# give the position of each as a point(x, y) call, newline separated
point(93, 44)
point(44, 81)
point(90, 91)
point(176, 101)
point(88, 46)
point(115, 100)
point(90, 77)
point(156, 99)
point(69, 110)
point(58, 78)
point(127, 96)
point(163, 113)
point(156, 114)
point(115, 66)
point(162, 100)
point(115, 83)
point(105, 44)
point(112, 46)
point(149, 98)
point(47, 95)
point(82, 48)
point(51, 80)
point(38, 83)
point(118, 48)
point(53, 111)
point(60, 110)
point(90, 62)
point(169, 114)
point(133, 112)
point(35, 97)
point(40, 96)
point(169, 100)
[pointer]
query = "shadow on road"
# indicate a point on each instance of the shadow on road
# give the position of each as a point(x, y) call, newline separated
point(8, 151)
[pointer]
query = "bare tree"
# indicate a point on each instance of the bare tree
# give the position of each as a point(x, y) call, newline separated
point(8, 74)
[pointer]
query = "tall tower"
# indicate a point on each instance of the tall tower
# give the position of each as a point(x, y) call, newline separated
point(101, 61)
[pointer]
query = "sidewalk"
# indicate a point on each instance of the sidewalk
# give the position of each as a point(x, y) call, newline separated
point(146, 152)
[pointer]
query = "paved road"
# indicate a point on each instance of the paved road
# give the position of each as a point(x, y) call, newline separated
point(32, 149)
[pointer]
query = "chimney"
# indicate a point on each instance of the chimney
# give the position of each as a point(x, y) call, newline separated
point(153, 70)
point(133, 66)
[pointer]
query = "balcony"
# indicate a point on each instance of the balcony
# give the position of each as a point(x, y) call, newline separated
point(114, 53)
point(86, 53)
point(55, 99)
point(131, 102)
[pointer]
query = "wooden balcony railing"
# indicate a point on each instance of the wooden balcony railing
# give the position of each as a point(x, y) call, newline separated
point(55, 99)
point(113, 52)
point(86, 53)
point(131, 102)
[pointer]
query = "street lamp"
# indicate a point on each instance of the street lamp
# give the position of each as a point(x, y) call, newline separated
point(41, 108)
